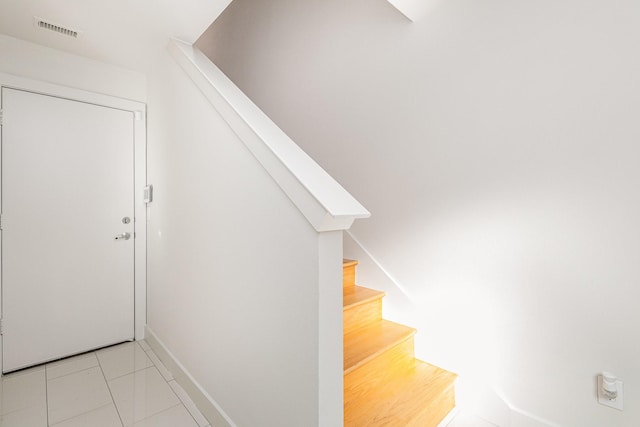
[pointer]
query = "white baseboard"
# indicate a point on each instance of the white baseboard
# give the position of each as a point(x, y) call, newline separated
point(205, 403)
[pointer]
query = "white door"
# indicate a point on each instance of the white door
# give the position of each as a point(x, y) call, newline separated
point(67, 193)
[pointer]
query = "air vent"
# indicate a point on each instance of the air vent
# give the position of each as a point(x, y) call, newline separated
point(46, 25)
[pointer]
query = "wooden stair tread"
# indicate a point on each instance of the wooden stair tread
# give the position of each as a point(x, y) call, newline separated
point(359, 295)
point(418, 394)
point(348, 262)
point(365, 343)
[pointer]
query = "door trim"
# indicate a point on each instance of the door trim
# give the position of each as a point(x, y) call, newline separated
point(140, 177)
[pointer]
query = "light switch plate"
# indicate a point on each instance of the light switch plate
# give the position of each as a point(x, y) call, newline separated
point(148, 194)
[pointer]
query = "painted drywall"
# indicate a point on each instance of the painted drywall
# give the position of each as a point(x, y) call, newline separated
point(496, 145)
point(37, 62)
point(234, 268)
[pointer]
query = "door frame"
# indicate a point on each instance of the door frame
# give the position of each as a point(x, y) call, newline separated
point(140, 178)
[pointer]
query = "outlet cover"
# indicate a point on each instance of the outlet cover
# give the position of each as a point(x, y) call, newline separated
point(615, 403)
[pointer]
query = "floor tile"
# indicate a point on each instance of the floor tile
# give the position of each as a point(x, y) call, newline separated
point(73, 364)
point(23, 400)
point(23, 390)
point(123, 359)
point(77, 393)
point(141, 394)
point(25, 418)
point(106, 416)
point(173, 417)
point(188, 403)
point(168, 376)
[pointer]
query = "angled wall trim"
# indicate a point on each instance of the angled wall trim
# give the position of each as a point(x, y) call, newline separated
point(406, 7)
point(324, 202)
point(413, 10)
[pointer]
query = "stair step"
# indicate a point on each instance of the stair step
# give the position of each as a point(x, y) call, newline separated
point(364, 344)
point(359, 295)
point(348, 273)
point(384, 384)
point(376, 372)
point(412, 394)
point(361, 307)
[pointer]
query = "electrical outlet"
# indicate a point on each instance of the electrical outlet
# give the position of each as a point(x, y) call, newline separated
point(613, 403)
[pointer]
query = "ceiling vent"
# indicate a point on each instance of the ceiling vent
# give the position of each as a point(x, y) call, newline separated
point(46, 25)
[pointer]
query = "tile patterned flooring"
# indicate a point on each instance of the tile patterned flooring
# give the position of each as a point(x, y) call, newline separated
point(124, 385)
point(120, 386)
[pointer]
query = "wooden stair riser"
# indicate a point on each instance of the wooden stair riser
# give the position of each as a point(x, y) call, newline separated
point(378, 371)
point(420, 396)
point(348, 274)
point(398, 416)
point(361, 315)
point(437, 410)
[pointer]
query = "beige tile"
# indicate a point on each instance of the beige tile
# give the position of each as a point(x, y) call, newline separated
point(141, 394)
point(77, 393)
point(106, 416)
point(172, 417)
point(68, 366)
point(29, 417)
point(23, 392)
point(188, 403)
point(123, 359)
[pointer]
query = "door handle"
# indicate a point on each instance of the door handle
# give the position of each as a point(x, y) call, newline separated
point(123, 236)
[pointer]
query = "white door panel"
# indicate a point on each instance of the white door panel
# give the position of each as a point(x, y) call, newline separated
point(67, 183)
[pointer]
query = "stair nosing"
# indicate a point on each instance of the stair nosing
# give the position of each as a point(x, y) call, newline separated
point(380, 351)
point(348, 262)
point(409, 335)
point(378, 295)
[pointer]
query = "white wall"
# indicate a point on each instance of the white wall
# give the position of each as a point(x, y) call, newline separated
point(233, 266)
point(37, 62)
point(496, 145)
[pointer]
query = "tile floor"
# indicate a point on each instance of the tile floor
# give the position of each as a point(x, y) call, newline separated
point(124, 385)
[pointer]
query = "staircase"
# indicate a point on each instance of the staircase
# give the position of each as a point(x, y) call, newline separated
point(384, 384)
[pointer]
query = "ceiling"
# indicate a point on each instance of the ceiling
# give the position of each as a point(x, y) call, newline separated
point(128, 33)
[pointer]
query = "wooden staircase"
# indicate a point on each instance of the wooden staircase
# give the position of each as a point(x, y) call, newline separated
point(384, 384)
